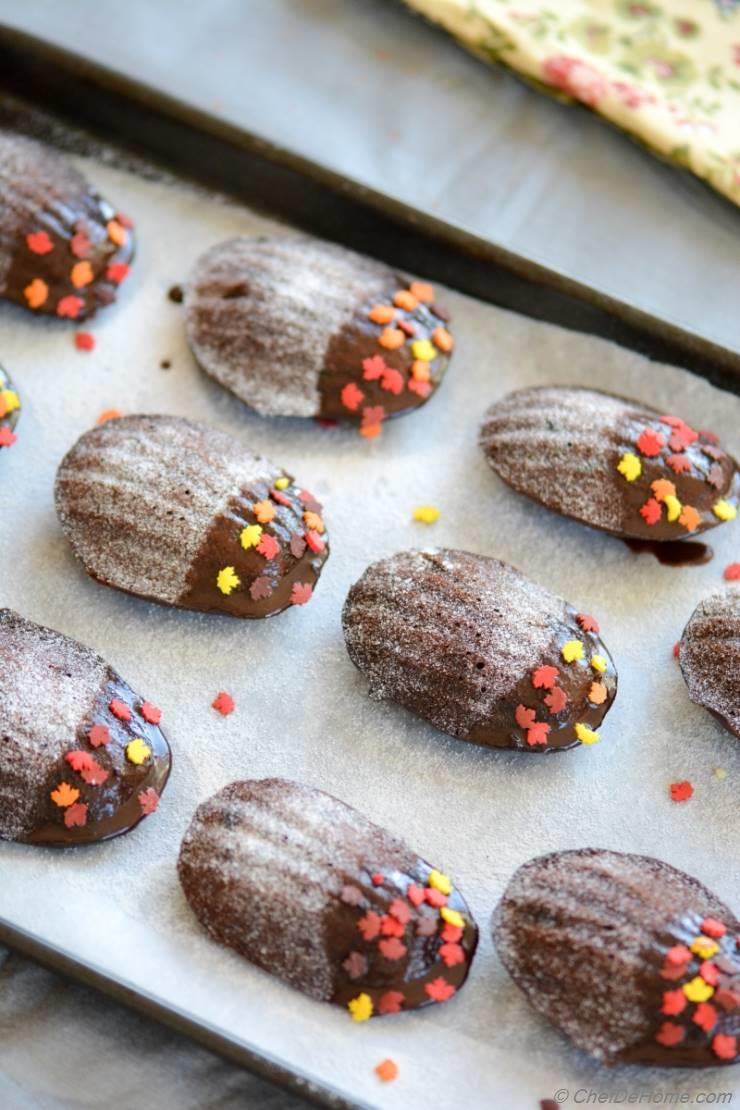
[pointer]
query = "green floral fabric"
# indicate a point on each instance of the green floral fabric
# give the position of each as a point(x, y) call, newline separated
point(668, 73)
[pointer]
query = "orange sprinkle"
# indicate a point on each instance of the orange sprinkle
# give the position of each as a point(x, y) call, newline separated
point(689, 518)
point(382, 313)
point(36, 293)
point(420, 371)
point(442, 339)
point(370, 431)
point(663, 488)
point(387, 1071)
point(597, 693)
point(391, 338)
point(314, 522)
point(116, 232)
point(81, 274)
point(423, 291)
point(404, 299)
point(264, 511)
point(109, 414)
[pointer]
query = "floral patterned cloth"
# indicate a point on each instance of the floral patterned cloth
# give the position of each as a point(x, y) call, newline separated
point(666, 72)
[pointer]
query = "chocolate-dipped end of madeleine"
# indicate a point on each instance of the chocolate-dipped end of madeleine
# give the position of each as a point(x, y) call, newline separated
point(297, 327)
point(611, 463)
point(310, 890)
point(180, 513)
point(471, 645)
point(710, 657)
point(64, 250)
point(10, 410)
point(634, 961)
point(82, 756)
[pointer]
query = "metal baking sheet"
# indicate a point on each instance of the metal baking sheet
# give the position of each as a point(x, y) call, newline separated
point(625, 274)
point(114, 914)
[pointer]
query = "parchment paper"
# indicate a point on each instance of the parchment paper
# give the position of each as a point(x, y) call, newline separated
point(302, 710)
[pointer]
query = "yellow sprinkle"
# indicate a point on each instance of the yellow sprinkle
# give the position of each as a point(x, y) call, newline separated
point(282, 483)
point(250, 536)
point(586, 735)
point(227, 580)
point(424, 350)
point(598, 662)
point(10, 399)
point(704, 948)
point(361, 1008)
point(630, 466)
point(723, 510)
point(572, 650)
point(674, 507)
point(720, 773)
point(137, 751)
point(697, 990)
point(439, 881)
point(427, 514)
point(452, 917)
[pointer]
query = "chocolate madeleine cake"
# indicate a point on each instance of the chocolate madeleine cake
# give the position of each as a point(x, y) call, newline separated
point(310, 890)
point(10, 408)
point(180, 513)
point(63, 249)
point(634, 961)
point(484, 654)
point(611, 463)
point(297, 327)
point(709, 655)
point(82, 756)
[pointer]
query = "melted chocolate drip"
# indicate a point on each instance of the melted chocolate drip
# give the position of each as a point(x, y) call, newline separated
point(674, 553)
point(113, 807)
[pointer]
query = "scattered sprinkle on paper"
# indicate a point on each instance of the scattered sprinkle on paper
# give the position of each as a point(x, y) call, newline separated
point(84, 341)
point(387, 1071)
point(732, 572)
point(681, 791)
point(223, 703)
point(426, 514)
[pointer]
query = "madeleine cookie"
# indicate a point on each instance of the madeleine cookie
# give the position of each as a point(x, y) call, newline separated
point(63, 249)
point(82, 756)
point(310, 890)
point(634, 961)
point(709, 655)
point(611, 463)
point(484, 654)
point(10, 409)
point(182, 514)
point(298, 327)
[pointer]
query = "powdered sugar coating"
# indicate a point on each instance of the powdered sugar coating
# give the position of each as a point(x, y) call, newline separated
point(137, 496)
point(260, 314)
point(33, 179)
point(710, 656)
point(448, 634)
point(581, 934)
point(49, 686)
point(263, 861)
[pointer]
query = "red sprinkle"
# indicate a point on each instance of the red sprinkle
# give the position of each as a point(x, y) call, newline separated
point(670, 1034)
point(70, 306)
point(117, 272)
point(99, 735)
point(314, 541)
point(119, 709)
point(80, 245)
point(705, 1016)
point(84, 341)
point(75, 816)
point(148, 800)
point(390, 1002)
point(650, 443)
point(39, 242)
point(544, 677)
point(7, 438)
point(415, 895)
point(677, 649)
point(681, 791)
point(587, 623)
point(724, 1045)
point(150, 713)
point(713, 928)
point(732, 572)
point(223, 703)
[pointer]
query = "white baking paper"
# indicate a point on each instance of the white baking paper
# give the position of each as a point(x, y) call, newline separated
point(302, 709)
